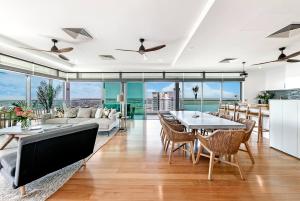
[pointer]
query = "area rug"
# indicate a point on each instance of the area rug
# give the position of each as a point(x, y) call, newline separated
point(43, 188)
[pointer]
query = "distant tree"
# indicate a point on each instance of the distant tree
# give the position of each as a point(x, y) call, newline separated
point(195, 91)
point(46, 94)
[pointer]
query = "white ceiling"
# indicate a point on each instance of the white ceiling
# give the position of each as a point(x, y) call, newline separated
point(231, 28)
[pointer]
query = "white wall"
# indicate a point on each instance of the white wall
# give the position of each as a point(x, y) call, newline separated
point(254, 83)
point(283, 76)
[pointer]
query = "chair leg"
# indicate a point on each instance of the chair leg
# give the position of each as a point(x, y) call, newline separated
point(167, 145)
point(239, 167)
point(22, 190)
point(249, 152)
point(192, 152)
point(199, 154)
point(211, 165)
point(171, 153)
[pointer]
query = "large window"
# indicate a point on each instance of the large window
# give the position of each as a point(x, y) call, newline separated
point(35, 83)
point(211, 96)
point(12, 87)
point(86, 94)
point(231, 92)
point(111, 91)
point(160, 96)
point(191, 93)
point(58, 102)
point(135, 99)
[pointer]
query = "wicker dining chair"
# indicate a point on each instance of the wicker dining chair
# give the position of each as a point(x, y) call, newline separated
point(179, 137)
point(221, 143)
point(250, 124)
point(168, 120)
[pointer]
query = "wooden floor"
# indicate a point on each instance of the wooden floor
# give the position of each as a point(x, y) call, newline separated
point(133, 167)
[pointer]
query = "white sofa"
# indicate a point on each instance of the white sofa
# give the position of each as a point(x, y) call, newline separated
point(105, 123)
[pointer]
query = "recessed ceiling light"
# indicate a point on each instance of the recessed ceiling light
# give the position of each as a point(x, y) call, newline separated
point(286, 32)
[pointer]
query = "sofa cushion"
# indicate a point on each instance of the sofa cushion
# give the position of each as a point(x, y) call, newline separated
point(93, 112)
point(70, 112)
point(57, 121)
point(103, 123)
point(8, 163)
point(84, 113)
point(99, 113)
point(77, 120)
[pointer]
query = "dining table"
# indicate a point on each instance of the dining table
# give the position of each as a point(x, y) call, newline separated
point(196, 120)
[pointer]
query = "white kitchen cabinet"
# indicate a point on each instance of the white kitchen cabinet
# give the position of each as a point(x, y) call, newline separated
point(285, 126)
point(276, 124)
point(290, 127)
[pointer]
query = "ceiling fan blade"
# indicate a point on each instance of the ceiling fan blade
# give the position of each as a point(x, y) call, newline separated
point(35, 49)
point(68, 49)
point(293, 60)
point(155, 48)
point(63, 57)
point(266, 62)
point(127, 50)
point(292, 55)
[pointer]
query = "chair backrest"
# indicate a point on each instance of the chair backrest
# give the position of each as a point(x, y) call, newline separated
point(227, 116)
point(250, 124)
point(225, 141)
point(41, 154)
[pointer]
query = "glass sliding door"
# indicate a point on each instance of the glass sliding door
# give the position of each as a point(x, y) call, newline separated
point(211, 96)
point(111, 91)
point(191, 95)
point(135, 100)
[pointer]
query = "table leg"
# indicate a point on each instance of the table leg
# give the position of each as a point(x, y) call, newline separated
point(9, 139)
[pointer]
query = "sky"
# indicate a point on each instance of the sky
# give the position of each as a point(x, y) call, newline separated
point(12, 87)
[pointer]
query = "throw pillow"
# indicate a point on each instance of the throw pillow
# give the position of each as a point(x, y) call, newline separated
point(105, 113)
point(99, 113)
point(70, 113)
point(93, 113)
point(84, 113)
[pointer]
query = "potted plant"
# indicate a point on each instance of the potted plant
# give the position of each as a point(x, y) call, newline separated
point(46, 94)
point(23, 113)
point(195, 91)
point(264, 97)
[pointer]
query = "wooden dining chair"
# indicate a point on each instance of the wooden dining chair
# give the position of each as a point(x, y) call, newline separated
point(250, 124)
point(221, 143)
point(180, 138)
point(227, 116)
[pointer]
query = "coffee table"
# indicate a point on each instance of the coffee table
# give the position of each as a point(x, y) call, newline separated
point(15, 132)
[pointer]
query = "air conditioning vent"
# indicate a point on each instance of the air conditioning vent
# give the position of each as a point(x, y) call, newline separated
point(286, 32)
point(107, 57)
point(227, 60)
point(78, 33)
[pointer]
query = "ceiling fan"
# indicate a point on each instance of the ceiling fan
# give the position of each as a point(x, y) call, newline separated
point(142, 50)
point(54, 49)
point(244, 74)
point(283, 57)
